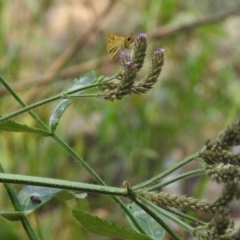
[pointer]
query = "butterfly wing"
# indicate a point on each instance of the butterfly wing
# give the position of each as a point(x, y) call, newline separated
point(114, 44)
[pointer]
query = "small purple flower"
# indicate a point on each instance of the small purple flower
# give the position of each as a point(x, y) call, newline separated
point(131, 62)
point(129, 65)
point(139, 50)
point(159, 52)
point(142, 37)
point(125, 56)
point(158, 55)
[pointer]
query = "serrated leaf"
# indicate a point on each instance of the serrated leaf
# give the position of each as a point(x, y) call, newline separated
point(12, 216)
point(150, 226)
point(12, 126)
point(84, 81)
point(104, 228)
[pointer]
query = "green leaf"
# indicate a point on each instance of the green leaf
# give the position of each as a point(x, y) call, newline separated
point(12, 216)
point(57, 113)
point(12, 126)
point(84, 81)
point(80, 195)
point(42, 194)
point(104, 228)
point(150, 226)
point(68, 195)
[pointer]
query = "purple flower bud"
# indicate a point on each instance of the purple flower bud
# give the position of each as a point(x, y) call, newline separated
point(139, 50)
point(125, 56)
point(130, 65)
point(159, 52)
point(142, 37)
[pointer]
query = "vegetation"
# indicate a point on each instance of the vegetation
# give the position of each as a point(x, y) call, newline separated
point(79, 129)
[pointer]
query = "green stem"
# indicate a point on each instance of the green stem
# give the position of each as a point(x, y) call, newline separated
point(40, 103)
point(165, 173)
point(66, 96)
point(183, 215)
point(182, 176)
point(29, 107)
point(166, 214)
point(19, 100)
point(98, 179)
point(28, 228)
point(73, 153)
point(156, 217)
point(14, 200)
point(62, 184)
point(78, 159)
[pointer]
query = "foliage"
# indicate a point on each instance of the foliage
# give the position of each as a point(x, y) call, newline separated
point(136, 138)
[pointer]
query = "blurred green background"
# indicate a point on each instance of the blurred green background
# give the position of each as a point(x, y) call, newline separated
point(44, 45)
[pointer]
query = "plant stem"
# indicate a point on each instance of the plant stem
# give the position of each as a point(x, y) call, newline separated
point(66, 96)
point(29, 107)
point(182, 176)
point(15, 202)
point(62, 184)
point(157, 218)
point(72, 152)
point(183, 215)
point(166, 214)
point(26, 108)
point(165, 173)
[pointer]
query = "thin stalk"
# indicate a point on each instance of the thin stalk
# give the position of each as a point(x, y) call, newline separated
point(166, 214)
point(19, 100)
point(183, 215)
point(62, 184)
point(29, 107)
point(179, 177)
point(14, 200)
point(157, 218)
point(98, 95)
point(98, 179)
point(74, 154)
point(165, 173)
point(40, 103)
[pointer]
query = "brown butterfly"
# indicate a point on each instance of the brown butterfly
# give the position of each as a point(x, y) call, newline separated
point(116, 43)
